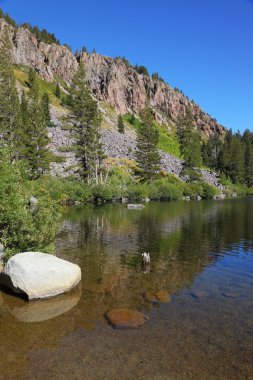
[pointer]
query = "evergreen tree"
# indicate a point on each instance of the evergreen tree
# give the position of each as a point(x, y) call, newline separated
point(232, 157)
point(10, 117)
point(190, 144)
point(35, 136)
point(248, 141)
point(211, 151)
point(24, 109)
point(121, 125)
point(58, 91)
point(46, 109)
point(86, 120)
point(237, 171)
point(147, 154)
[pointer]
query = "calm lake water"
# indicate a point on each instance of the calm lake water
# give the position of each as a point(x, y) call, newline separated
point(201, 254)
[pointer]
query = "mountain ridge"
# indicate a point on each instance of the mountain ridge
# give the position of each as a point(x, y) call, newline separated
point(111, 80)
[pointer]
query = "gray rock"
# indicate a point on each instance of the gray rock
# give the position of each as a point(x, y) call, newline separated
point(198, 198)
point(135, 206)
point(1, 248)
point(187, 198)
point(39, 275)
point(33, 203)
point(219, 196)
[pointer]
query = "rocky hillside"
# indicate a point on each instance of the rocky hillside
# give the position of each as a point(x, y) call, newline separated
point(111, 80)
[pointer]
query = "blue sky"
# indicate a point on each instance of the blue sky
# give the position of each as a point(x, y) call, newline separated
point(203, 47)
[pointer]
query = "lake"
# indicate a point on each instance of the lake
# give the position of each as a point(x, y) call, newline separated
point(201, 255)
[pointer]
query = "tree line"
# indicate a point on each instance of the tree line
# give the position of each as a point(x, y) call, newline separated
point(42, 35)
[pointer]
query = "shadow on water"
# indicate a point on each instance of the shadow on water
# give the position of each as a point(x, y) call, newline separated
point(201, 254)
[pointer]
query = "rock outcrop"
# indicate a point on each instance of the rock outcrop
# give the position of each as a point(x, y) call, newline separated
point(38, 275)
point(111, 80)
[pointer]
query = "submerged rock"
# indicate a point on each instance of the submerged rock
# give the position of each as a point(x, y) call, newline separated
point(135, 206)
point(199, 294)
point(163, 296)
point(125, 318)
point(231, 294)
point(39, 275)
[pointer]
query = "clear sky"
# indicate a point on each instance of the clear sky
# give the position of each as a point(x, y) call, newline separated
point(203, 47)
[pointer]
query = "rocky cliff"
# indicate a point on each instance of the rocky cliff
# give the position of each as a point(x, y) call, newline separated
point(111, 80)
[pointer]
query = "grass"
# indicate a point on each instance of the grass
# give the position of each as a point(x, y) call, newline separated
point(21, 75)
point(168, 141)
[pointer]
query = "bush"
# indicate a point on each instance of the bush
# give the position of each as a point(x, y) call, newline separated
point(138, 191)
point(168, 188)
point(23, 229)
point(204, 189)
point(62, 190)
point(102, 193)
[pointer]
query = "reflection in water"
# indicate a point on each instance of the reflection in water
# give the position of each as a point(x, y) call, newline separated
point(43, 310)
point(201, 254)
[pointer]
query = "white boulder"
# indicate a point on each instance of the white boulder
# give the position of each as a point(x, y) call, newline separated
point(40, 275)
point(135, 206)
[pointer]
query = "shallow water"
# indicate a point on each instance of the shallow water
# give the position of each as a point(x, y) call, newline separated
point(201, 254)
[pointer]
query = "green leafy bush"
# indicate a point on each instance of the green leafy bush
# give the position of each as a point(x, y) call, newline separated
point(21, 228)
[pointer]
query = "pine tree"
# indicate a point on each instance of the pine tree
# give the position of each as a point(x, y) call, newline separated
point(147, 154)
point(35, 136)
point(190, 144)
point(46, 109)
point(237, 171)
point(121, 125)
point(10, 117)
point(86, 120)
point(248, 141)
point(232, 157)
point(58, 91)
point(211, 151)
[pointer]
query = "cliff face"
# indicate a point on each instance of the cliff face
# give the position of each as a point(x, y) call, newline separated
point(111, 80)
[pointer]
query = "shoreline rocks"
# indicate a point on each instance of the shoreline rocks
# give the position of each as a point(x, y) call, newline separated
point(39, 275)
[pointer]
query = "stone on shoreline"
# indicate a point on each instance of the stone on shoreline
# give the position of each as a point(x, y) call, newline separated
point(39, 275)
point(135, 206)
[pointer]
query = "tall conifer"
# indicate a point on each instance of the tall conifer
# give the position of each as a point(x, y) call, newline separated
point(147, 154)
point(86, 119)
point(10, 118)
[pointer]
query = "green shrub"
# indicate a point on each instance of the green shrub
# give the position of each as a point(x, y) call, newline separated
point(201, 188)
point(102, 193)
point(63, 189)
point(167, 189)
point(23, 229)
point(138, 191)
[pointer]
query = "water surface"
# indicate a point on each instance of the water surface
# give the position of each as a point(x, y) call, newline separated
point(201, 254)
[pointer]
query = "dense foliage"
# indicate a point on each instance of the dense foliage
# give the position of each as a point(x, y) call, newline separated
point(23, 228)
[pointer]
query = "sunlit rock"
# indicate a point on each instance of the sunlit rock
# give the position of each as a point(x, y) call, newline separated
point(39, 275)
point(135, 206)
point(125, 318)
